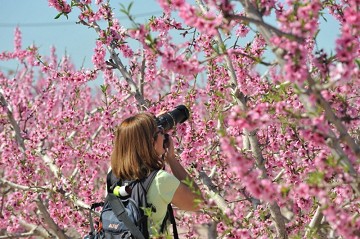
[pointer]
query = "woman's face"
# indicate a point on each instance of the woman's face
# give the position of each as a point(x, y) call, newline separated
point(159, 141)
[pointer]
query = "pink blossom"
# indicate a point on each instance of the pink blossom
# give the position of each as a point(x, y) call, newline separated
point(206, 23)
point(17, 39)
point(99, 56)
point(60, 5)
point(242, 31)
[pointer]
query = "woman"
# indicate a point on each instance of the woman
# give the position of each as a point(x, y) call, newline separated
point(139, 150)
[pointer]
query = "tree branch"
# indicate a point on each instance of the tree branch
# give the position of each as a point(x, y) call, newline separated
point(33, 230)
point(22, 187)
point(18, 137)
point(333, 144)
point(92, 138)
point(212, 191)
point(49, 221)
point(330, 115)
point(260, 22)
point(240, 98)
point(268, 34)
point(315, 221)
point(119, 65)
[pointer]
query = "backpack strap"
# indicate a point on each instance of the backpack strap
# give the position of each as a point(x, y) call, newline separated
point(148, 180)
point(172, 221)
point(170, 216)
point(119, 210)
point(92, 208)
point(110, 178)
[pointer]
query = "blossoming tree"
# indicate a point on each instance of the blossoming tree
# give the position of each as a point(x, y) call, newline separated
point(276, 151)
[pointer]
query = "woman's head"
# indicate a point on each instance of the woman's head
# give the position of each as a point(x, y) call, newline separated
point(134, 154)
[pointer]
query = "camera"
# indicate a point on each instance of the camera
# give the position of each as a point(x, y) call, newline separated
point(169, 119)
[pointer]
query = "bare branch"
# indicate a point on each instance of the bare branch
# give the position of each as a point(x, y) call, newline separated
point(315, 221)
point(279, 175)
point(22, 187)
point(279, 220)
point(212, 191)
point(49, 221)
point(50, 163)
point(18, 137)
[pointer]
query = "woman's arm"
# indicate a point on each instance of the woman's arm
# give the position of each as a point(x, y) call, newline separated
point(186, 197)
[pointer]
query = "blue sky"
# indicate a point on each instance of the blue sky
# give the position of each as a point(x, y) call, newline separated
point(37, 24)
point(36, 21)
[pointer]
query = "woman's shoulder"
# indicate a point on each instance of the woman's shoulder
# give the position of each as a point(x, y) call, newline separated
point(165, 181)
point(164, 185)
point(164, 176)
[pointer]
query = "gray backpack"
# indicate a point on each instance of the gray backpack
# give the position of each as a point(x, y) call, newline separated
point(124, 217)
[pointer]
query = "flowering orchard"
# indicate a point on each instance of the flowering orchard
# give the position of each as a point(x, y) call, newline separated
point(273, 138)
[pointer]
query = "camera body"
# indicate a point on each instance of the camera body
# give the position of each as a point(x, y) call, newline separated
point(169, 119)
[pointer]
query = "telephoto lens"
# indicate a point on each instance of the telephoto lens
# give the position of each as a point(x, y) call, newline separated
point(169, 119)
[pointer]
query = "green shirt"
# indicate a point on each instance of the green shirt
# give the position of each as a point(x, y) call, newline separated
point(160, 194)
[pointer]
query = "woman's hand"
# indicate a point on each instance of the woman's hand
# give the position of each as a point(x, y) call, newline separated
point(170, 151)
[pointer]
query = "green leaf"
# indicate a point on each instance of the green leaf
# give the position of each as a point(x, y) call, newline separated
point(315, 178)
point(285, 191)
point(104, 88)
point(357, 61)
point(59, 15)
point(129, 7)
point(74, 4)
point(331, 161)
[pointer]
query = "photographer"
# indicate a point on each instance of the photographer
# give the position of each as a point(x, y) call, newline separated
point(139, 150)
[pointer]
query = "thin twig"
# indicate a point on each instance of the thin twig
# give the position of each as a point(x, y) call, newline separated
point(260, 22)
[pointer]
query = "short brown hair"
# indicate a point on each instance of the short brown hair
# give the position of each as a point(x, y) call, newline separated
point(134, 156)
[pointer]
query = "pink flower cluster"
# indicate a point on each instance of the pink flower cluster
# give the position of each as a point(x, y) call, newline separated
point(295, 61)
point(60, 5)
point(98, 58)
point(179, 65)
point(17, 39)
point(139, 34)
point(88, 15)
point(301, 20)
point(342, 221)
point(348, 44)
point(255, 118)
point(266, 6)
point(207, 23)
point(242, 30)
point(240, 164)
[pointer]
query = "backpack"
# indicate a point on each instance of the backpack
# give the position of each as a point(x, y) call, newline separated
point(123, 216)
